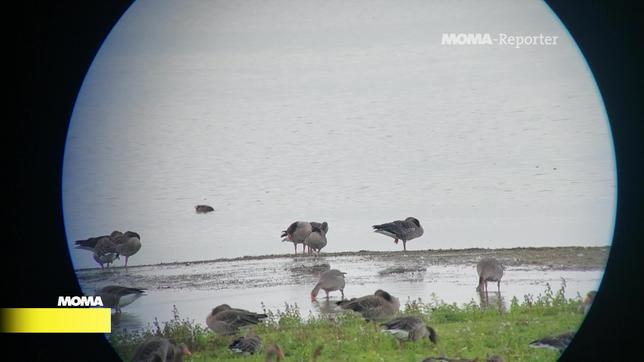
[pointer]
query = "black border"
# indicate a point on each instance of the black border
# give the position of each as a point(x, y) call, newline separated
point(56, 44)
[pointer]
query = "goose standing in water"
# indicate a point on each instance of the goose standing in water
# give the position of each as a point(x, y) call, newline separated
point(250, 344)
point(127, 244)
point(410, 329)
point(330, 280)
point(297, 233)
point(489, 270)
point(117, 297)
point(403, 230)
point(158, 349)
point(105, 251)
point(316, 240)
point(226, 320)
point(378, 307)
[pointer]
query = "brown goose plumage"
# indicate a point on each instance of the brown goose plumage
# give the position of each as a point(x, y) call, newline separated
point(226, 320)
point(378, 307)
point(330, 280)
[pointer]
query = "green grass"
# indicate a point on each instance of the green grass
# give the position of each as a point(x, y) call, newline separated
point(465, 331)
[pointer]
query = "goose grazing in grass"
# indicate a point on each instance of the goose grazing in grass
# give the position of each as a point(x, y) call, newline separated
point(274, 353)
point(158, 349)
point(250, 344)
point(489, 270)
point(378, 307)
point(403, 230)
point(409, 329)
point(297, 233)
point(203, 209)
point(316, 240)
point(127, 244)
point(226, 320)
point(330, 280)
point(105, 251)
point(558, 342)
point(117, 297)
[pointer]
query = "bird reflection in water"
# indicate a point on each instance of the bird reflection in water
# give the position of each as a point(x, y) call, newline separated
point(326, 307)
point(492, 300)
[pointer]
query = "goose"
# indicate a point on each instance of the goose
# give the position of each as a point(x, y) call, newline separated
point(558, 342)
point(316, 240)
point(127, 244)
point(203, 209)
point(159, 349)
point(489, 270)
point(404, 230)
point(330, 280)
point(105, 251)
point(409, 329)
point(274, 353)
point(377, 307)
point(587, 301)
point(117, 297)
point(250, 344)
point(226, 320)
point(297, 233)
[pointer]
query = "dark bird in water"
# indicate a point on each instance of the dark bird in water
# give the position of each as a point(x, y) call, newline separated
point(489, 270)
point(158, 349)
point(559, 342)
point(226, 320)
point(378, 307)
point(203, 209)
point(117, 297)
point(409, 329)
point(403, 230)
point(330, 280)
point(316, 240)
point(250, 344)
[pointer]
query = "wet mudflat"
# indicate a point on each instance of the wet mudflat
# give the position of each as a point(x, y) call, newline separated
point(271, 281)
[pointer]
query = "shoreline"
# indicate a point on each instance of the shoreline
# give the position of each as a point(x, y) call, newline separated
point(544, 256)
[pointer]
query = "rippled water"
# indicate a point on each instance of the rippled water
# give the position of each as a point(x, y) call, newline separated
point(350, 113)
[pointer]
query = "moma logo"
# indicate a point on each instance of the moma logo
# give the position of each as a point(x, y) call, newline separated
point(83, 301)
point(466, 39)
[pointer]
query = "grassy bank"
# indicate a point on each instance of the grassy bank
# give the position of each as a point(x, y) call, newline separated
point(464, 331)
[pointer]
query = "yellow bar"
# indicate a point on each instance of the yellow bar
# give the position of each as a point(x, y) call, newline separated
point(56, 320)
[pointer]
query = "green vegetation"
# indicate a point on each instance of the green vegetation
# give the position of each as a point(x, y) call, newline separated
point(466, 331)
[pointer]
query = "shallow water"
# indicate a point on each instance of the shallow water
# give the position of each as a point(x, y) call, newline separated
point(352, 113)
point(269, 283)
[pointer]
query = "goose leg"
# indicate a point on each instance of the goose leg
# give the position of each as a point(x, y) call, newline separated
point(327, 295)
point(498, 286)
point(342, 291)
point(396, 241)
point(295, 245)
point(404, 245)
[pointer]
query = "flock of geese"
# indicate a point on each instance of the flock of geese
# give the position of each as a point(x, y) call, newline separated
point(381, 307)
